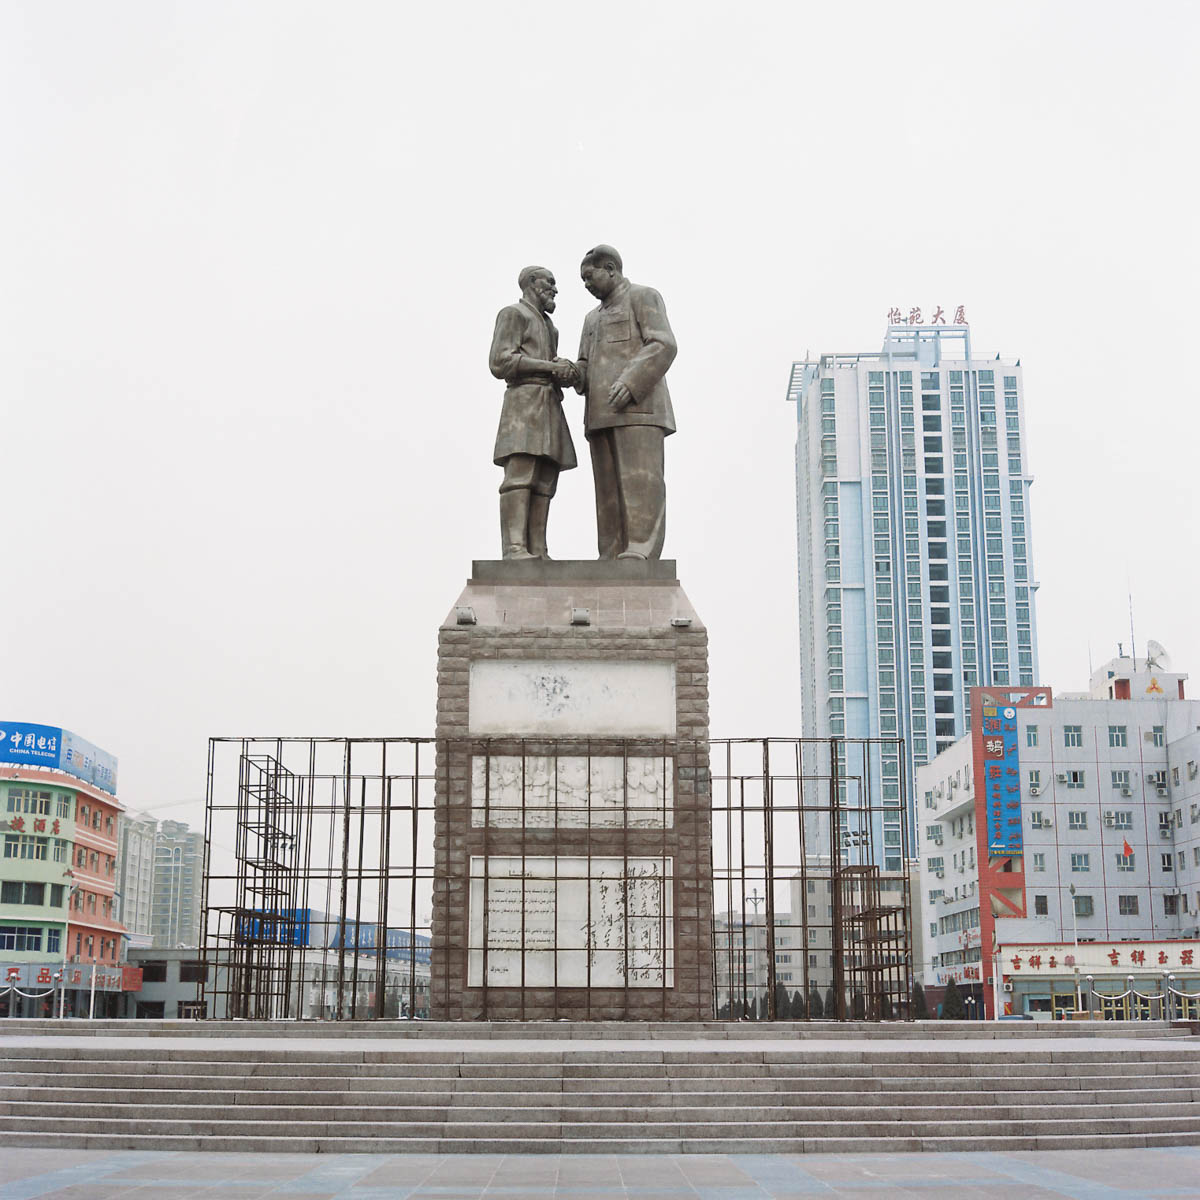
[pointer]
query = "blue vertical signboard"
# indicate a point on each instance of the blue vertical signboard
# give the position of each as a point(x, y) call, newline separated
point(1002, 779)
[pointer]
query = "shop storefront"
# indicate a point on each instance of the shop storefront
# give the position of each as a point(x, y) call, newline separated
point(1116, 981)
point(70, 990)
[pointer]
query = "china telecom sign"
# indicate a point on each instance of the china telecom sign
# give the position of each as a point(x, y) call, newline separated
point(29, 745)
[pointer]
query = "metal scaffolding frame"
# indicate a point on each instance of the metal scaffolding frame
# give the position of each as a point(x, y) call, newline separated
point(317, 876)
point(319, 870)
point(806, 820)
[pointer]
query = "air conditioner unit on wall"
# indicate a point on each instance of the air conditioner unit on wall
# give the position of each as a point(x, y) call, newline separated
point(1047, 823)
point(1126, 791)
point(1161, 789)
point(1164, 831)
point(1034, 790)
point(1061, 776)
point(1007, 985)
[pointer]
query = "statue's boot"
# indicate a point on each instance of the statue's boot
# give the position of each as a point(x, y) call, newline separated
point(539, 513)
point(514, 523)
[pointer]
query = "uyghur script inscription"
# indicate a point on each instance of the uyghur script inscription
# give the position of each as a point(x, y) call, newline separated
point(572, 922)
point(572, 792)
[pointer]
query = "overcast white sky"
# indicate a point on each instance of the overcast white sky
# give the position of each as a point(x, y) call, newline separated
point(252, 254)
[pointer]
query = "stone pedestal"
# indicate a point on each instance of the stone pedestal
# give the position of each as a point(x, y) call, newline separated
point(573, 846)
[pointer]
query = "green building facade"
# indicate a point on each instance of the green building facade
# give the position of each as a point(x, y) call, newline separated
point(37, 829)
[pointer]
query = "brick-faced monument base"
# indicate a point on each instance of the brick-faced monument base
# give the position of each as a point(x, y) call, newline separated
point(572, 729)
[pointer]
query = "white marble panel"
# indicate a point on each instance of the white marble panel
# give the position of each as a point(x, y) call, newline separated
point(572, 922)
point(573, 791)
point(560, 698)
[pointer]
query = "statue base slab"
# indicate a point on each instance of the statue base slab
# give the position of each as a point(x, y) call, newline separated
point(573, 831)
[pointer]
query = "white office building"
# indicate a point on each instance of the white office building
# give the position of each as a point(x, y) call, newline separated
point(915, 569)
point(1083, 828)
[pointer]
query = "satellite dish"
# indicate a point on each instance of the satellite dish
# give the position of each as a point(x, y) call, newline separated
point(1157, 657)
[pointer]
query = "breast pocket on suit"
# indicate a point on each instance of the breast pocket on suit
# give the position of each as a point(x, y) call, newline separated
point(615, 329)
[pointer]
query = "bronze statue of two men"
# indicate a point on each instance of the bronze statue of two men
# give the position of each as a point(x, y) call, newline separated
point(626, 348)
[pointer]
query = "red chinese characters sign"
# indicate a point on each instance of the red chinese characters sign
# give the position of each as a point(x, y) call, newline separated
point(915, 316)
point(1101, 958)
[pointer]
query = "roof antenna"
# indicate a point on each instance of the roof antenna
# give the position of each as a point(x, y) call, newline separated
point(1091, 671)
point(1132, 643)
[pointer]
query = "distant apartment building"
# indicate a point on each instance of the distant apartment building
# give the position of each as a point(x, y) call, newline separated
point(135, 876)
point(1064, 822)
point(161, 867)
point(916, 577)
point(177, 886)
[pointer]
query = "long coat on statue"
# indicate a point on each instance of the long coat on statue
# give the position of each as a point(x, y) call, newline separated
point(531, 421)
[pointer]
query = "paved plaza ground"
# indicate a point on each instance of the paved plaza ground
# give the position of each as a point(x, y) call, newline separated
point(1023, 1175)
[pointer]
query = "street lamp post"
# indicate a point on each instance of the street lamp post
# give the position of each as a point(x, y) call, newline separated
point(1075, 930)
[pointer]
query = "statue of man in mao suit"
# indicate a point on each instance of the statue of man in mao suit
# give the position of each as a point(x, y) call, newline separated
point(626, 348)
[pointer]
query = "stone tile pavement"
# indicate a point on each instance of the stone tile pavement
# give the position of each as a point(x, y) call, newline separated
point(1016, 1175)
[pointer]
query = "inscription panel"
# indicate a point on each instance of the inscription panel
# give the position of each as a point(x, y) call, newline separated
point(571, 921)
point(567, 698)
point(572, 791)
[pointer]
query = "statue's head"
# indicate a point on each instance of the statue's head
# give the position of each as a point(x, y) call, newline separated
point(601, 271)
point(538, 287)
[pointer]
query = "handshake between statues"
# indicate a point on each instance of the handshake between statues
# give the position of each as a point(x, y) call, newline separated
point(565, 372)
point(624, 352)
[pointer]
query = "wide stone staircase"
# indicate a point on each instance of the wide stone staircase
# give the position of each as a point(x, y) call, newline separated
point(617, 1094)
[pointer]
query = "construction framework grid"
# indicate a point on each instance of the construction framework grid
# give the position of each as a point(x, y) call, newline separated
point(318, 887)
point(318, 876)
point(812, 905)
